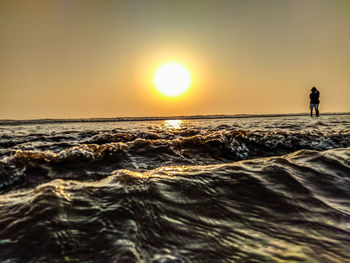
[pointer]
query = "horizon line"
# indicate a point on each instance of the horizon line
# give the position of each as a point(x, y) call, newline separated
point(154, 118)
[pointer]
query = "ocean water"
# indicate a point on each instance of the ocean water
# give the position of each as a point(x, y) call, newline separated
point(256, 189)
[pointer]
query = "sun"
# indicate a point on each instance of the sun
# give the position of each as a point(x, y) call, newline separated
point(172, 79)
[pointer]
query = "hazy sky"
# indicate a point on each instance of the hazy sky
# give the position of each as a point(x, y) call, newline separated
point(71, 59)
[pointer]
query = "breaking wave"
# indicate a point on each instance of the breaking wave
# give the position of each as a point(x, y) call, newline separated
point(93, 156)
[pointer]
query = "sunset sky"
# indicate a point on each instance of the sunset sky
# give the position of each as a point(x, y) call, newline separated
point(77, 59)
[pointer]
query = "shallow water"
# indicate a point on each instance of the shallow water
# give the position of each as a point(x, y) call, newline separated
point(231, 190)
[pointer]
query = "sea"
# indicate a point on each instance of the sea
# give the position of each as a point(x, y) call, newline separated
point(201, 189)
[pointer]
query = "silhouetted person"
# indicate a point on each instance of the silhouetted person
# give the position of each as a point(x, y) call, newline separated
point(314, 101)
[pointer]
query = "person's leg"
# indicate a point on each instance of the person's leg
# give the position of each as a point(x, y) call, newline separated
point(317, 112)
point(311, 106)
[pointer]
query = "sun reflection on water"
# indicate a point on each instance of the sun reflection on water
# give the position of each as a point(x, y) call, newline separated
point(173, 124)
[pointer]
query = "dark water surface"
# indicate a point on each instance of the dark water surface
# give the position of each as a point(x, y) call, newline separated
point(229, 190)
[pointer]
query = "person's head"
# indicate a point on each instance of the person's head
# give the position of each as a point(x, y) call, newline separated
point(313, 89)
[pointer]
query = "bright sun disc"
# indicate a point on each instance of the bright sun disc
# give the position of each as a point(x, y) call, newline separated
point(172, 79)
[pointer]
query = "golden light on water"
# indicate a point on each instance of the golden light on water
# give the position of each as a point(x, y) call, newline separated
point(173, 124)
point(172, 79)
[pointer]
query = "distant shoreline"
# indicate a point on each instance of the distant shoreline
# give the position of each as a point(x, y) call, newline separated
point(190, 117)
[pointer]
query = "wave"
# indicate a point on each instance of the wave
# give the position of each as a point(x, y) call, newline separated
point(93, 155)
point(277, 209)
